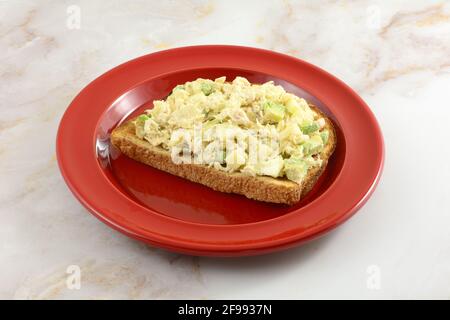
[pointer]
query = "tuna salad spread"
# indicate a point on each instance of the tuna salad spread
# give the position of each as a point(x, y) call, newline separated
point(254, 129)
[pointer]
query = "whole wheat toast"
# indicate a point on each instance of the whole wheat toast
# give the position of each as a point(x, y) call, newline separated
point(262, 188)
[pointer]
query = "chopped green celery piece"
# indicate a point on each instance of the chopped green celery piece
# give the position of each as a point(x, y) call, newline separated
point(211, 123)
point(292, 106)
point(295, 169)
point(308, 128)
point(207, 88)
point(313, 145)
point(274, 111)
point(139, 124)
point(325, 134)
point(178, 87)
point(143, 118)
point(272, 167)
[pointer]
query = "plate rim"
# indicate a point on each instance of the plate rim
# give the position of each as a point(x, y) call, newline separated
point(213, 248)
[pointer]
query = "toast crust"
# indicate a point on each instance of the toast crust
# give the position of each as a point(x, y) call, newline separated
point(262, 188)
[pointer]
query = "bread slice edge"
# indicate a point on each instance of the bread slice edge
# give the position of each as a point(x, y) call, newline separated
point(261, 188)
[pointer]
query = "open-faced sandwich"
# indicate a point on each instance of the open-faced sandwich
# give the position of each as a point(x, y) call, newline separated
point(251, 139)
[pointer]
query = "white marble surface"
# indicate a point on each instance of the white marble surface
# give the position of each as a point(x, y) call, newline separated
point(395, 54)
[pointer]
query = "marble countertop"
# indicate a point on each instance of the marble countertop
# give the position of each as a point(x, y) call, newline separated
point(395, 54)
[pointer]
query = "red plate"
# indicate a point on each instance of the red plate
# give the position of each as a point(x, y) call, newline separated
point(179, 215)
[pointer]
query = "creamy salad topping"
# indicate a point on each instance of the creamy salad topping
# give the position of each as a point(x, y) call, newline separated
point(255, 129)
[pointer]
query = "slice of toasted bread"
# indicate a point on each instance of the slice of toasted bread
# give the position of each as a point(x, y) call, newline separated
point(262, 188)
